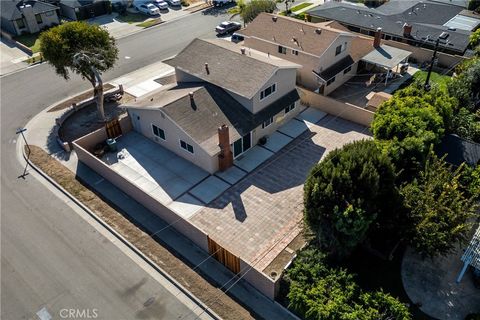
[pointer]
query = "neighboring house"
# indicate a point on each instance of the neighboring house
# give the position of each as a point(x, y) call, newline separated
point(84, 9)
point(19, 17)
point(328, 52)
point(413, 22)
point(226, 100)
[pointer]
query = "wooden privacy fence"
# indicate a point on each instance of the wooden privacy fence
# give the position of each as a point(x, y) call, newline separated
point(225, 257)
point(113, 128)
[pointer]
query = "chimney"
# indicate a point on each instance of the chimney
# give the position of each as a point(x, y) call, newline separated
point(378, 38)
point(206, 68)
point(242, 50)
point(407, 30)
point(225, 158)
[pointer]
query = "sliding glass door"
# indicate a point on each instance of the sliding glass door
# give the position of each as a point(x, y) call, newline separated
point(242, 145)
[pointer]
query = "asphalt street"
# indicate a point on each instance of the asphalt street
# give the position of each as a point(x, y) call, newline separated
point(50, 256)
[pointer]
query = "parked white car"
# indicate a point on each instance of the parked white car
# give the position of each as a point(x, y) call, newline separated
point(149, 9)
point(174, 2)
point(160, 4)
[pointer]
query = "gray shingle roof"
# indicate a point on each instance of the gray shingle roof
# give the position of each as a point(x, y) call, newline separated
point(459, 150)
point(426, 18)
point(10, 10)
point(239, 73)
point(211, 107)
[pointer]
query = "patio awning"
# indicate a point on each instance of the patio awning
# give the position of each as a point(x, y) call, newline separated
point(386, 56)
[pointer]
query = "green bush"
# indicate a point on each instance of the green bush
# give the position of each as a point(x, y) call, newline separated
point(438, 210)
point(318, 291)
point(348, 190)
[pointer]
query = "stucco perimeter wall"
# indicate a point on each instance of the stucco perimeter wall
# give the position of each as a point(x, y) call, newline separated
point(336, 108)
point(260, 281)
point(87, 142)
point(425, 55)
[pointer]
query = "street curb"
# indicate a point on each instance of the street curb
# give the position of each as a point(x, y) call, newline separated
point(152, 264)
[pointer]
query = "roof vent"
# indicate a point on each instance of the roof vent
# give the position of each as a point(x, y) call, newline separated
point(206, 68)
point(444, 35)
point(452, 29)
point(274, 18)
point(191, 95)
point(318, 31)
point(242, 50)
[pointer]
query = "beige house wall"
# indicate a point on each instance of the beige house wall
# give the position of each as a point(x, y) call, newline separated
point(340, 79)
point(336, 108)
point(285, 80)
point(305, 76)
point(278, 120)
point(143, 119)
point(310, 63)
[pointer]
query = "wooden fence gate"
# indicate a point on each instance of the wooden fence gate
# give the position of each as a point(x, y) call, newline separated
point(113, 128)
point(225, 257)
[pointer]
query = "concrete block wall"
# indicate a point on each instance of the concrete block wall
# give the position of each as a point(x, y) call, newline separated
point(336, 108)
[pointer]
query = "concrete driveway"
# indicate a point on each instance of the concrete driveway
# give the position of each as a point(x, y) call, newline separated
point(11, 57)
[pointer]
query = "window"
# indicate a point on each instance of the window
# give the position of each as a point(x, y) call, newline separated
point(268, 91)
point(347, 70)
point(295, 52)
point(340, 48)
point(242, 145)
point(282, 50)
point(290, 108)
point(329, 82)
point(20, 23)
point(186, 146)
point(158, 132)
point(39, 18)
point(267, 122)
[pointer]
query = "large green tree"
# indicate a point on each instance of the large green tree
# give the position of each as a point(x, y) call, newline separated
point(466, 86)
point(438, 209)
point(252, 9)
point(347, 191)
point(409, 123)
point(317, 291)
point(85, 49)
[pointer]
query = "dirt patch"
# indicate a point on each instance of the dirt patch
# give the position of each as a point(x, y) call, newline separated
point(214, 298)
point(287, 254)
point(86, 120)
point(77, 99)
point(197, 7)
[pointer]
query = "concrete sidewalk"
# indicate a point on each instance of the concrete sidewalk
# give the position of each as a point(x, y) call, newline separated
point(39, 133)
point(11, 57)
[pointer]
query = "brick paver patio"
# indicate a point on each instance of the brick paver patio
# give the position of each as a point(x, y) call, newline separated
point(258, 217)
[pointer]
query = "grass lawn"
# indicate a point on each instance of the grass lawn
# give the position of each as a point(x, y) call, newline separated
point(300, 6)
point(437, 78)
point(131, 18)
point(30, 40)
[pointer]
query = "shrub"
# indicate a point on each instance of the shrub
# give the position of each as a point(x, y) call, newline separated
point(346, 192)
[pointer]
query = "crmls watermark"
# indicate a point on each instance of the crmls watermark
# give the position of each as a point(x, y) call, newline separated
point(78, 313)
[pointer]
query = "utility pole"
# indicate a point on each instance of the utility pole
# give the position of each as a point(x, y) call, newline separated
point(286, 6)
point(434, 56)
point(21, 131)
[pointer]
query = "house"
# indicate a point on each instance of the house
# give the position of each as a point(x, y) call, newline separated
point(19, 17)
point(412, 22)
point(84, 9)
point(328, 53)
point(226, 100)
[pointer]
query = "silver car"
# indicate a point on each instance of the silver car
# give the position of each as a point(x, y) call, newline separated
point(160, 4)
